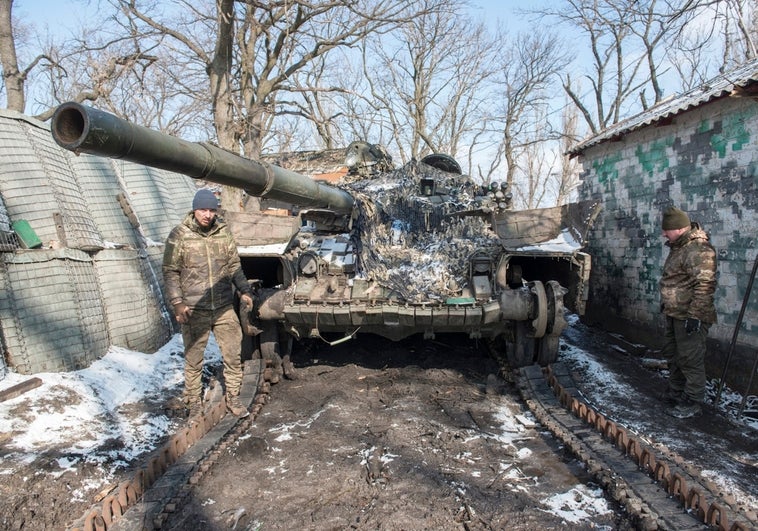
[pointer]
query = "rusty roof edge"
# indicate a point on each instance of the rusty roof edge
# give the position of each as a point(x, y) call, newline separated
point(718, 87)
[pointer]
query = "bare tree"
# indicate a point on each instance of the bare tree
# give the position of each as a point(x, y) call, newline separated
point(634, 43)
point(713, 36)
point(316, 103)
point(87, 68)
point(607, 25)
point(744, 14)
point(251, 50)
point(427, 81)
point(527, 70)
point(568, 178)
point(534, 183)
point(13, 77)
point(651, 28)
point(365, 113)
point(112, 73)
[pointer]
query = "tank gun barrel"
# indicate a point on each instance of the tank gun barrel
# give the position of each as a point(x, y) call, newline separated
point(83, 129)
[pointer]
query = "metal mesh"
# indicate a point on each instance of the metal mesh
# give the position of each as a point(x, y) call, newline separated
point(25, 187)
point(161, 198)
point(52, 306)
point(133, 311)
point(101, 189)
point(97, 279)
point(155, 265)
point(6, 312)
point(78, 225)
point(8, 239)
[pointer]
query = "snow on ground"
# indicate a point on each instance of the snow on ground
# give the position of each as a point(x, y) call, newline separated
point(607, 389)
point(620, 400)
point(96, 416)
point(578, 504)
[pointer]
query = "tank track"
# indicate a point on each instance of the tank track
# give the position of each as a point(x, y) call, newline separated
point(660, 491)
point(162, 485)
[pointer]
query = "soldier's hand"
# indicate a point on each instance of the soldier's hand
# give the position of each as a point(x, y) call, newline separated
point(246, 301)
point(182, 312)
point(692, 325)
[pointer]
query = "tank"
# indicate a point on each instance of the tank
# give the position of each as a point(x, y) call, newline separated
point(392, 251)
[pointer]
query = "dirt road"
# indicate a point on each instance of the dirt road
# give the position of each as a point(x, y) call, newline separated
point(409, 435)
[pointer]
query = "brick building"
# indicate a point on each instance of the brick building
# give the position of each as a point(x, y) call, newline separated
point(698, 151)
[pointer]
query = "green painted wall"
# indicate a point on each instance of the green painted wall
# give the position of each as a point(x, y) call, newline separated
point(705, 162)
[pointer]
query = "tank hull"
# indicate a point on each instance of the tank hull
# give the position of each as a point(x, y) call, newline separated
point(393, 252)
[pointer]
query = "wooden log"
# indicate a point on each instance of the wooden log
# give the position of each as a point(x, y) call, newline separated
point(19, 389)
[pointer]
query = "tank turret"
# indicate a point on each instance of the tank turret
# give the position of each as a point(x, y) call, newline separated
point(419, 249)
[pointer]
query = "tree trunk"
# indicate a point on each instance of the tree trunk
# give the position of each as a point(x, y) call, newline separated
point(14, 79)
point(222, 100)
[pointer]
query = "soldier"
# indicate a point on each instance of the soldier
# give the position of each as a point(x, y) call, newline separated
point(687, 287)
point(200, 266)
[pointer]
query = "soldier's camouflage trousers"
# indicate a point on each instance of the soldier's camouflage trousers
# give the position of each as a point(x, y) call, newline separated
point(686, 358)
point(226, 329)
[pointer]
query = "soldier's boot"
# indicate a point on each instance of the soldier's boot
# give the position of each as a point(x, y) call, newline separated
point(177, 405)
point(194, 407)
point(671, 397)
point(272, 364)
point(288, 368)
point(685, 409)
point(236, 407)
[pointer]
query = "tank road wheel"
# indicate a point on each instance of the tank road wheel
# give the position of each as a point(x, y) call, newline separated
point(521, 350)
point(547, 346)
point(269, 345)
point(539, 324)
point(537, 340)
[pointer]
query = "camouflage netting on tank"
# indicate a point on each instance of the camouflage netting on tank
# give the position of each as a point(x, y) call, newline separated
point(411, 242)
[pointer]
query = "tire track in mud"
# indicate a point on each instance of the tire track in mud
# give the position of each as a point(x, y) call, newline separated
point(162, 483)
point(381, 435)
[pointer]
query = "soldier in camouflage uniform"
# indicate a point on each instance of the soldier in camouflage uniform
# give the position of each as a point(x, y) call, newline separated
point(200, 266)
point(687, 287)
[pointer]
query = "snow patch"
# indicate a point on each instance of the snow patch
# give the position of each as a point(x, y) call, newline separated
point(578, 504)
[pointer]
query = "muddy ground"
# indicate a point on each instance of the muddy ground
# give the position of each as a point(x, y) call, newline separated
point(381, 435)
point(408, 435)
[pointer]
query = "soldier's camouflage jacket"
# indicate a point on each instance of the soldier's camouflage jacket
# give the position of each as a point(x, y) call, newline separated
point(199, 267)
point(689, 277)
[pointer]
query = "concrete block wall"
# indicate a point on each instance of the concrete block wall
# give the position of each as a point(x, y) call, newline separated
point(706, 163)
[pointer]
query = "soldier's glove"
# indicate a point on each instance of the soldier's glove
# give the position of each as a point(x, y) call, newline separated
point(182, 312)
point(692, 325)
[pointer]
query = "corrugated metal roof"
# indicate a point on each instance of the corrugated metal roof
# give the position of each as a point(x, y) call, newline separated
point(723, 85)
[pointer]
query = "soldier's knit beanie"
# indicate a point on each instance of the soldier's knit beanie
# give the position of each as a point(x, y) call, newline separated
point(673, 219)
point(204, 198)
